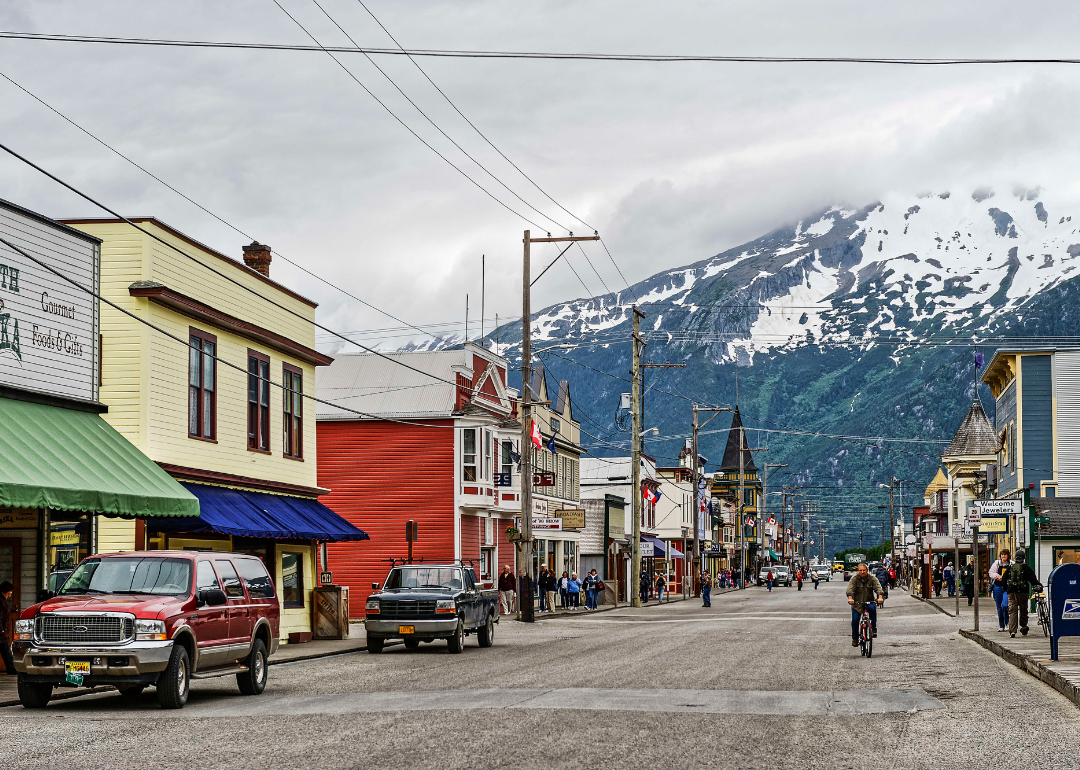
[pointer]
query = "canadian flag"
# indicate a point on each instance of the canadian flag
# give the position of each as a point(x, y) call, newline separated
point(537, 439)
point(651, 496)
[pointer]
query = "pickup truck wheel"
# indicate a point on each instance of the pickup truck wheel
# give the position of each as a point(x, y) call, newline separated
point(174, 683)
point(456, 643)
point(485, 635)
point(375, 644)
point(34, 695)
point(253, 681)
point(411, 644)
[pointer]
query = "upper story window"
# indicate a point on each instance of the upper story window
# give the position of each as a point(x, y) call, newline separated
point(555, 425)
point(505, 462)
point(292, 399)
point(468, 454)
point(202, 385)
point(258, 401)
point(487, 455)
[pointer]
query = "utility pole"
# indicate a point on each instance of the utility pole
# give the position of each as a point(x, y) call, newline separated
point(892, 514)
point(525, 555)
point(635, 460)
point(698, 490)
point(765, 497)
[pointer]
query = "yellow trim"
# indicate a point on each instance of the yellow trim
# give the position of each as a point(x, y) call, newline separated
point(183, 543)
point(1019, 421)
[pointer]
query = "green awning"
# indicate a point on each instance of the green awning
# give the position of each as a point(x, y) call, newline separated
point(70, 460)
point(774, 555)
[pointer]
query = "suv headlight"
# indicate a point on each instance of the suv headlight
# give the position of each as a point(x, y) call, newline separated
point(446, 606)
point(24, 630)
point(150, 630)
point(372, 607)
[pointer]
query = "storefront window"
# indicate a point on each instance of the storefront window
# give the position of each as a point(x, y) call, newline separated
point(69, 543)
point(1066, 556)
point(292, 579)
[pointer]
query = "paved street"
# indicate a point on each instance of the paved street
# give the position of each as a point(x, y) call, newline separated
point(765, 679)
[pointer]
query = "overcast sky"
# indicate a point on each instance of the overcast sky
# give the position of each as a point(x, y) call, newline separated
point(671, 162)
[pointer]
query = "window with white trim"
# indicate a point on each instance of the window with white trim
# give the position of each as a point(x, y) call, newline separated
point(468, 454)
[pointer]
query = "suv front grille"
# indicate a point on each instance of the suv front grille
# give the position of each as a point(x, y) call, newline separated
point(406, 610)
point(77, 629)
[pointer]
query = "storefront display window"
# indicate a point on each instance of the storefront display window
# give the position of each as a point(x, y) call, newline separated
point(292, 579)
point(1066, 556)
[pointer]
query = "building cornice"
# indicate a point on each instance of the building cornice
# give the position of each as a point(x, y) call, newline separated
point(200, 475)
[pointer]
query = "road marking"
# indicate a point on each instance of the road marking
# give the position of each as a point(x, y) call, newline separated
point(758, 702)
point(833, 618)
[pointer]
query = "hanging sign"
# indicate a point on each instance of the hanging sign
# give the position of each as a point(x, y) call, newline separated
point(974, 517)
point(572, 518)
point(547, 524)
point(503, 479)
point(544, 479)
point(646, 549)
point(994, 525)
point(998, 507)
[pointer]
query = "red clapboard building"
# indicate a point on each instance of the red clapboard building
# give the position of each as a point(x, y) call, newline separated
point(418, 435)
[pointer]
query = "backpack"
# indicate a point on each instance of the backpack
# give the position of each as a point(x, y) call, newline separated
point(1014, 578)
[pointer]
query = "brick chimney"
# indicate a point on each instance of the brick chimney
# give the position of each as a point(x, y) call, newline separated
point(257, 257)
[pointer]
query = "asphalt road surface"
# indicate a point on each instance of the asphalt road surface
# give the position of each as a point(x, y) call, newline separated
point(760, 679)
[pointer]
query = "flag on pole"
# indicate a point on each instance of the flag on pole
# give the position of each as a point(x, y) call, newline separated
point(751, 523)
point(551, 444)
point(978, 360)
point(537, 438)
point(652, 495)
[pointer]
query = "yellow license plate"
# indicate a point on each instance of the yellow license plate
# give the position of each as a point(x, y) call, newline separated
point(77, 667)
point(406, 629)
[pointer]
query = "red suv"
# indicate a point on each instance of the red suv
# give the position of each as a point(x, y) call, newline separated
point(143, 618)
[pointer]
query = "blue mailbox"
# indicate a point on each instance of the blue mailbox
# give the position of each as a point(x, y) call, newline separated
point(1063, 593)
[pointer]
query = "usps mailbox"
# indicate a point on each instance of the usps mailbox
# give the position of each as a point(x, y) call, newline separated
point(1063, 593)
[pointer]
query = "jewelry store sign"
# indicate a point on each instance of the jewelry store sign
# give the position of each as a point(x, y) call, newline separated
point(48, 326)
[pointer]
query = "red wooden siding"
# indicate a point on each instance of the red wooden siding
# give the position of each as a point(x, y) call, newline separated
point(381, 475)
point(471, 532)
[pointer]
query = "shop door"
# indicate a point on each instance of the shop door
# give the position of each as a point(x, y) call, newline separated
point(11, 570)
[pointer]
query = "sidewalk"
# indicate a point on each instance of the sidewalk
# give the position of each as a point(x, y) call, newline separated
point(1031, 653)
point(287, 653)
point(668, 599)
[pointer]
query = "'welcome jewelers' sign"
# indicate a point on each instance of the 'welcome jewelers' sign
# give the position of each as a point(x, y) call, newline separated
point(48, 327)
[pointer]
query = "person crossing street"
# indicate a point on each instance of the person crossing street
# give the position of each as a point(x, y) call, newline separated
point(706, 589)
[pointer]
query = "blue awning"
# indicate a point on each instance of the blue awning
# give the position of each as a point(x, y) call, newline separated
point(660, 549)
point(257, 514)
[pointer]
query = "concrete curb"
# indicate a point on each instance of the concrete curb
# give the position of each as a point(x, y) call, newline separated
point(609, 607)
point(1024, 663)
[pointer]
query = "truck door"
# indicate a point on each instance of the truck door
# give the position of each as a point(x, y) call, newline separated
point(237, 606)
point(210, 624)
point(472, 601)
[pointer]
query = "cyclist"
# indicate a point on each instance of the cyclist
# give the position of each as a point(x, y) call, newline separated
point(1016, 579)
point(861, 591)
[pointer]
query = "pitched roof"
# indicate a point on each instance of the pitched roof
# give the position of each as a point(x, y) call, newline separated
point(939, 482)
point(1064, 515)
point(731, 451)
point(976, 435)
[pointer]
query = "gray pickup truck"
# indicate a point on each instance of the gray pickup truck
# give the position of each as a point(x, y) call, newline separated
point(424, 602)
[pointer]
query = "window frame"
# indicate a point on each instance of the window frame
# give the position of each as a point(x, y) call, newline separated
point(465, 464)
point(506, 465)
point(293, 604)
point(292, 419)
point(203, 338)
point(263, 411)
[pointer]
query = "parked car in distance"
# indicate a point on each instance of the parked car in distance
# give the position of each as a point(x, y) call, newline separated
point(424, 602)
point(822, 572)
point(141, 618)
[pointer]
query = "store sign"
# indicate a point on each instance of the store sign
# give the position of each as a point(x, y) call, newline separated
point(616, 529)
point(68, 537)
point(974, 517)
point(540, 509)
point(647, 549)
point(572, 518)
point(48, 328)
point(550, 525)
point(18, 518)
point(998, 507)
point(994, 524)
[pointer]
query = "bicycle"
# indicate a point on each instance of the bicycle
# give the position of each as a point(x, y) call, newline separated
point(1043, 612)
point(866, 632)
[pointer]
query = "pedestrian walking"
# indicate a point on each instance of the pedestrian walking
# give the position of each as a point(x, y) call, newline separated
point(592, 585)
point(661, 586)
point(768, 580)
point(1018, 577)
point(644, 582)
point(7, 608)
point(815, 578)
point(936, 578)
point(549, 585)
point(967, 580)
point(950, 579)
point(798, 578)
point(706, 589)
point(573, 591)
point(564, 597)
point(997, 588)
point(507, 590)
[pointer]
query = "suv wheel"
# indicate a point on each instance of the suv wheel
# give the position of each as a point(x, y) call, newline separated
point(175, 682)
point(34, 695)
point(456, 643)
point(375, 644)
point(253, 681)
point(485, 636)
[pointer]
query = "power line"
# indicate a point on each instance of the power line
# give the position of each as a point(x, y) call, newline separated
point(476, 54)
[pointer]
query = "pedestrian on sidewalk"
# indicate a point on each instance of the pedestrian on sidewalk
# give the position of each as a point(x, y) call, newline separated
point(967, 580)
point(540, 588)
point(935, 578)
point(507, 590)
point(768, 581)
point(997, 583)
point(950, 579)
point(573, 590)
point(549, 586)
point(564, 597)
point(592, 585)
point(7, 607)
point(1018, 577)
point(661, 586)
point(644, 583)
point(706, 589)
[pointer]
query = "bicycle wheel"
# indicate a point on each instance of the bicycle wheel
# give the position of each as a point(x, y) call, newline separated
point(869, 643)
point(1044, 618)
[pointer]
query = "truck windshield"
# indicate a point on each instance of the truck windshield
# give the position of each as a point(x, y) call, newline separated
point(425, 577)
point(146, 575)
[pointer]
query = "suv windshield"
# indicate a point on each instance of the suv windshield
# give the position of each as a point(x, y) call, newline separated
point(425, 577)
point(145, 575)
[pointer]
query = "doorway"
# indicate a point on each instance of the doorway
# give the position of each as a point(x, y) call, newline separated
point(11, 570)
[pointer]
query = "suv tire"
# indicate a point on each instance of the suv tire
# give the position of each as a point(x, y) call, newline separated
point(34, 695)
point(456, 643)
point(175, 681)
point(253, 681)
point(485, 635)
point(375, 644)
